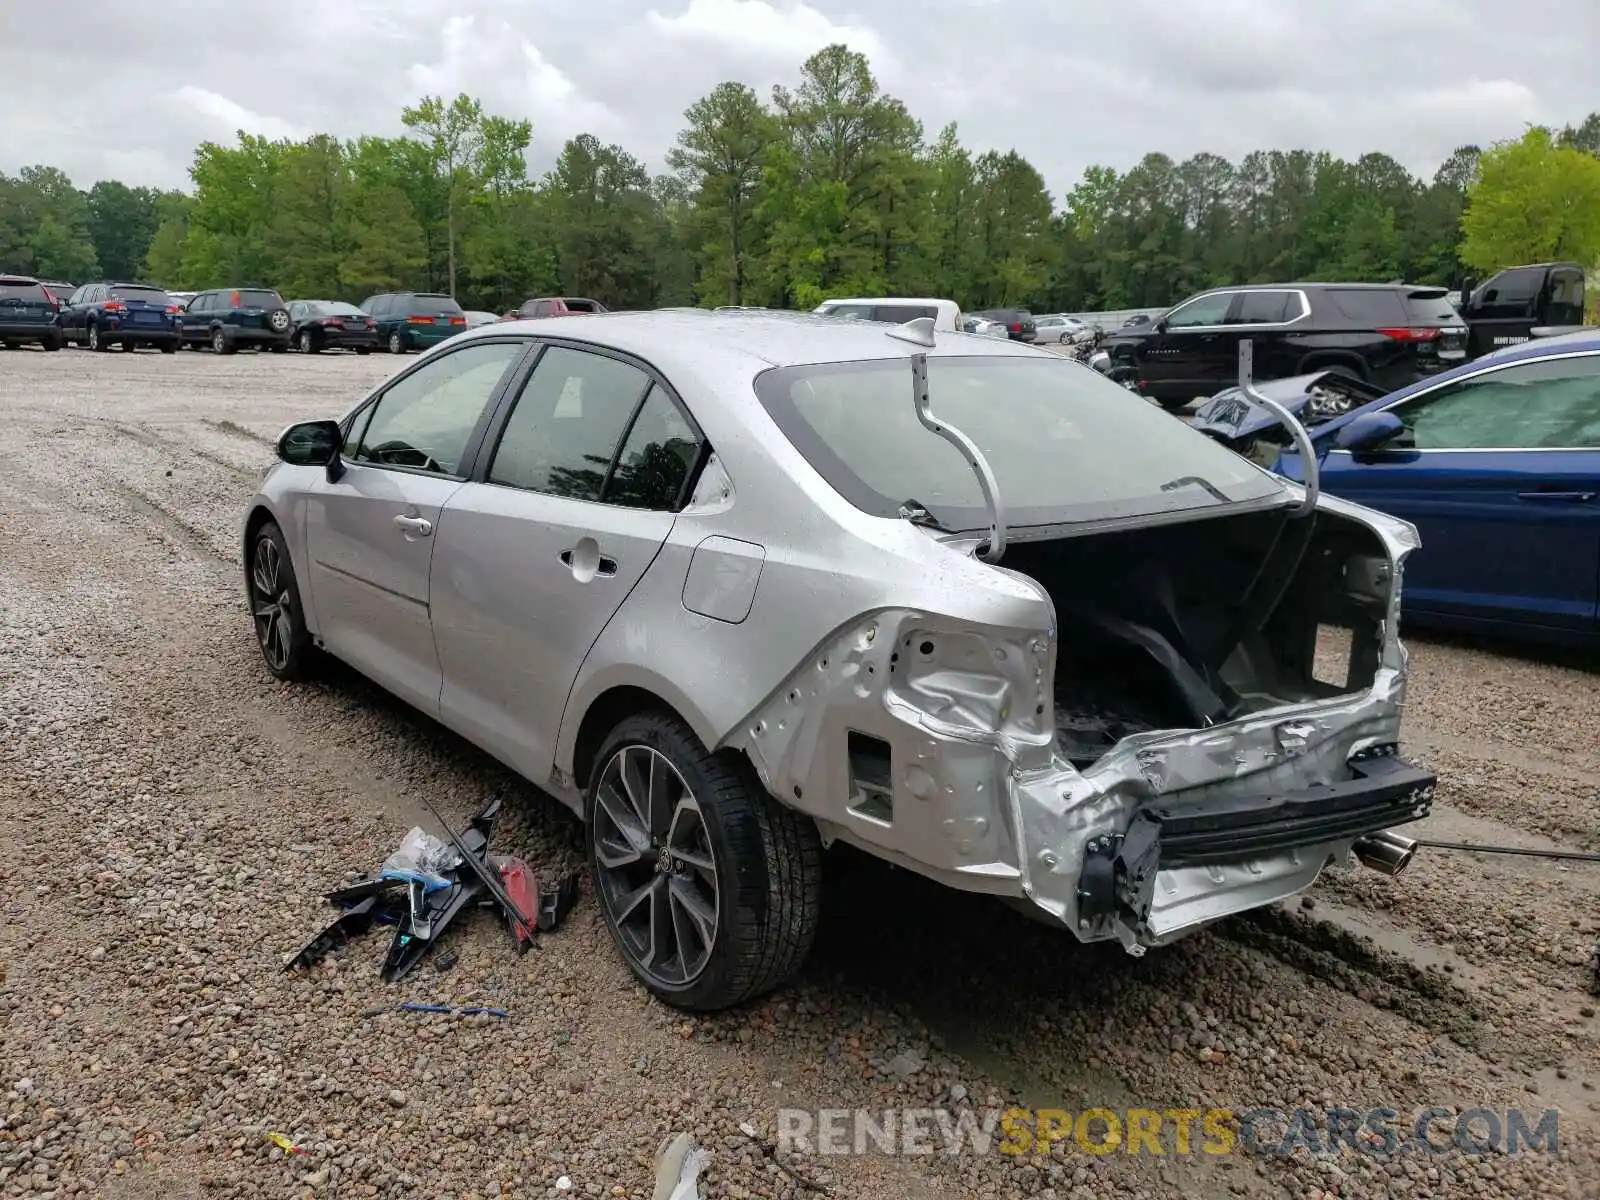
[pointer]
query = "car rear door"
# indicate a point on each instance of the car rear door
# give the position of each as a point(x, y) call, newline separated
point(370, 532)
point(1500, 472)
point(532, 561)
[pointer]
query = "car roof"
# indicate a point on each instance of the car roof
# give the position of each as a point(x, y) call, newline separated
point(890, 300)
point(9, 278)
point(693, 339)
point(1581, 342)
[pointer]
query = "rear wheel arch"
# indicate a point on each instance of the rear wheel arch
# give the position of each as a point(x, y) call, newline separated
point(1330, 359)
point(604, 713)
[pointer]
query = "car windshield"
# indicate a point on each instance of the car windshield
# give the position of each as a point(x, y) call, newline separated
point(145, 295)
point(1066, 444)
point(20, 289)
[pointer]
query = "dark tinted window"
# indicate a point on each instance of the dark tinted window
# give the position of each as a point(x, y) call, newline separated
point(1369, 308)
point(430, 304)
point(1207, 310)
point(143, 295)
point(1511, 293)
point(426, 419)
point(257, 298)
point(15, 289)
point(564, 430)
point(1265, 308)
point(1564, 298)
point(899, 314)
point(1429, 309)
point(656, 458)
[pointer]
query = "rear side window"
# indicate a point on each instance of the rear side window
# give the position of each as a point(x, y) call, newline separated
point(1368, 308)
point(899, 314)
point(656, 458)
point(1431, 310)
point(565, 429)
point(15, 289)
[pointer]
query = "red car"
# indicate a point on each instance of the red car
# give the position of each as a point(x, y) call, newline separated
point(555, 306)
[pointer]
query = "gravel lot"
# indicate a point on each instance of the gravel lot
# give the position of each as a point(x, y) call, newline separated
point(171, 816)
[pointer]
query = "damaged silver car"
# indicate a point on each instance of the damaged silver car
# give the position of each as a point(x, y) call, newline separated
point(737, 587)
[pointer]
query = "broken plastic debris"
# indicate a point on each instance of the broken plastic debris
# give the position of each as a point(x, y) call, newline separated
point(564, 1184)
point(678, 1165)
point(283, 1143)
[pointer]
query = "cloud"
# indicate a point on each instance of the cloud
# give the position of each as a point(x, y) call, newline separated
point(1066, 85)
point(226, 117)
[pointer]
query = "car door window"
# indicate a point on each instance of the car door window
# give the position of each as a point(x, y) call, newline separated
point(1514, 293)
point(425, 419)
point(564, 431)
point(1207, 310)
point(657, 457)
point(542, 308)
point(1548, 405)
point(1264, 308)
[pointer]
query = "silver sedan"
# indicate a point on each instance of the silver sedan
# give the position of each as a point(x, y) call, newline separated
point(735, 587)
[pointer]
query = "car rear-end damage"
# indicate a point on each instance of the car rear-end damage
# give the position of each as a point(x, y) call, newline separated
point(1196, 713)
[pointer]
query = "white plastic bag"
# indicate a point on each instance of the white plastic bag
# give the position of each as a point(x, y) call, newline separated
point(421, 858)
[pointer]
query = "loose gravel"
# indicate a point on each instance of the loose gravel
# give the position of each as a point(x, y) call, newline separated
point(171, 815)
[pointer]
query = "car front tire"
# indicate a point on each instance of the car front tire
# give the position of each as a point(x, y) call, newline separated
point(275, 608)
point(96, 342)
point(710, 888)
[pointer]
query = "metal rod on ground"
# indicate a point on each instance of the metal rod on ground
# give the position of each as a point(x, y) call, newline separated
point(1574, 855)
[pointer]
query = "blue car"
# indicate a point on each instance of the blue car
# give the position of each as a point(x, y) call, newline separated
point(1497, 464)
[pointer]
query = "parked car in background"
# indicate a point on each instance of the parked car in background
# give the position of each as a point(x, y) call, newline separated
point(894, 310)
point(1506, 308)
point(60, 289)
point(1019, 322)
point(317, 325)
point(1386, 334)
point(410, 321)
point(227, 319)
point(554, 306)
point(476, 318)
point(983, 327)
point(130, 315)
point(1497, 464)
point(1057, 327)
point(28, 313)
point(556, 540)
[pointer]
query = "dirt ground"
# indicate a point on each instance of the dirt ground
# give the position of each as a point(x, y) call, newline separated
point(171, 815)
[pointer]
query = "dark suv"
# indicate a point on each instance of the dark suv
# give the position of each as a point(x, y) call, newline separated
point(130, 315)
point(1018, 322)
point(414, 320)
point(1386, 334)
point(28, 313)
point(228, 318)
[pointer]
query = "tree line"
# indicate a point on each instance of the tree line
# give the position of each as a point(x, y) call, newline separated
point(829, 188)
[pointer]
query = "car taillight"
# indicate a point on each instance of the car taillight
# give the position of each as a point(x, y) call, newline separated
point(458, 320)
point(332, 322)
point(419, 320)
point(1016, 327)
point(173, 310)
point(371, 324)
point(116, 306)
point(54, 303)
point(1411, 335)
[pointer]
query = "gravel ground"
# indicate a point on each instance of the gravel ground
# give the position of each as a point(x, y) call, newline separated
point(171, 815)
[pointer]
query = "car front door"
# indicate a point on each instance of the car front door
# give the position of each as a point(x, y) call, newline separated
point(534, 559)
point(1184, 357)
point(1500, 472)
point(370, 532)
point(1504, 313)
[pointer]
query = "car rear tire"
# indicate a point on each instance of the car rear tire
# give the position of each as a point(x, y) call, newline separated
point(397, 344)
point(53, 342)
point(308, 342)
point(711, 889)
point(279, 347)
point(129, 345)
point(169, 347)
point(96, 342)
point(275, 609)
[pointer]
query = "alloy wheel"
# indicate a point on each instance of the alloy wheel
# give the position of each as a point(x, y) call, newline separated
point(219, 341)
point(94, 337)
point(657, 872)
point(271, 604)
point(305, 341)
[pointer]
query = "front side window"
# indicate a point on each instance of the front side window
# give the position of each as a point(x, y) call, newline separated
point(563, 433)
point(1207, 310)
point(1063, 441)
point(1549, 405)
point(1266, 308)
point(426, 419)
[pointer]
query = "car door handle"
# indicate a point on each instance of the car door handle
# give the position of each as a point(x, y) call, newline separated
point(414, 526)
point(606, 566)
point(1554, 497)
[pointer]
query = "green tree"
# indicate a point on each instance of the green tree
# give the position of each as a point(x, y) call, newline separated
point(1533, 200)
point(454, 134)
point(122, 224)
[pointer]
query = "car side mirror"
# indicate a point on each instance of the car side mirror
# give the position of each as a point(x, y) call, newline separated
point(1159, 326)
point(1491, 295)
point(1368, 432)
point(313, 444)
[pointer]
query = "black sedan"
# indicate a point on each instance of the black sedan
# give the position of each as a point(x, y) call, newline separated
point(317, 325)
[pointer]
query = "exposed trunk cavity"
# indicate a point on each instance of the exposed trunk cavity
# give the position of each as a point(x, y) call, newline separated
point(1189, 625)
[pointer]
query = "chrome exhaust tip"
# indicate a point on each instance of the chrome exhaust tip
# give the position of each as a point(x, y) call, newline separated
point(1385, 852)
